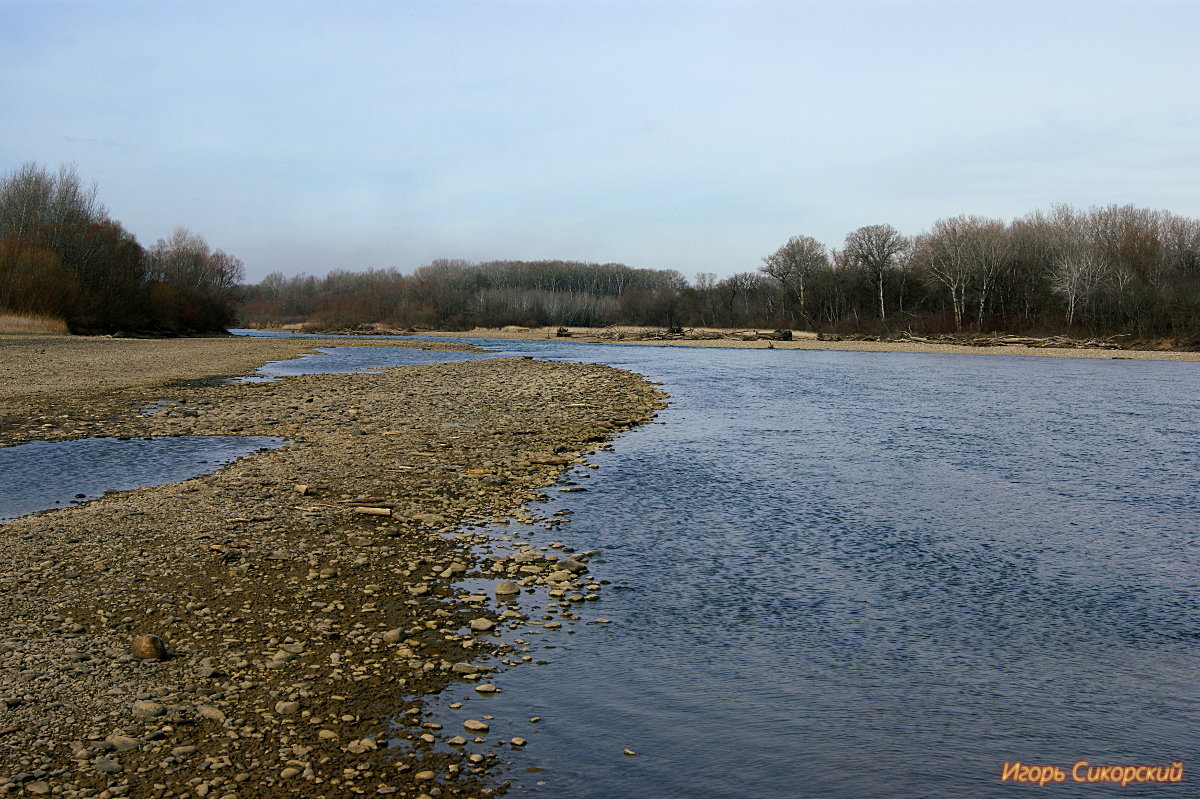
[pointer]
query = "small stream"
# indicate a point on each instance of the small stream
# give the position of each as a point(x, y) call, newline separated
point(42, 475)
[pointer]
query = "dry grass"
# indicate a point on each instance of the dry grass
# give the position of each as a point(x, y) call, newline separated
point(29, 323)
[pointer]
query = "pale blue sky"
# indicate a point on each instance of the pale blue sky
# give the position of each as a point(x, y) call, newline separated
point(696, 136)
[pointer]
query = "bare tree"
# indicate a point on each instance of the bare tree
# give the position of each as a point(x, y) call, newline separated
point(1076, 276)
point(37, 206)
point(876, 249)
point(794, 264)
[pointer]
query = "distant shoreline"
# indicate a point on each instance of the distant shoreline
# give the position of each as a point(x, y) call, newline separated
point(808, 341)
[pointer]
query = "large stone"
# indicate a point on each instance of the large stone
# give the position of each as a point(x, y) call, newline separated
point(106, 765)
point(507, 588)
point(148, 647)
point(287, 708)
point(148, 710)
point(481, 625)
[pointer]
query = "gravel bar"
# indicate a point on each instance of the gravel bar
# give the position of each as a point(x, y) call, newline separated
point(275, 627)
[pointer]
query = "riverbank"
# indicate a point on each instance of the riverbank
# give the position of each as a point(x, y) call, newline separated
point(305, 596)
point(801, 341)
point(60, 386)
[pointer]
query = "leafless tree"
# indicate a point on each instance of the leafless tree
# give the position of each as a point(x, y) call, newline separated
point(877, 249)
point(794, 264)
point(1076, 277)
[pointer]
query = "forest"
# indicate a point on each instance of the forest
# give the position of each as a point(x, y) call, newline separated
point(63, 258)
point(1115, 271)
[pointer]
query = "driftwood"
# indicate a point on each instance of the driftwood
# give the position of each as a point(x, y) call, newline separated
point(1003, 340)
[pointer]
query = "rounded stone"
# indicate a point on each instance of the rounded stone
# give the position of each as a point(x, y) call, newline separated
point(148, 647)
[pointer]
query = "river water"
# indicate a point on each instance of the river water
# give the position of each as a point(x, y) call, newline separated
point(873, 574)
point(41, 475)
point(878, 574)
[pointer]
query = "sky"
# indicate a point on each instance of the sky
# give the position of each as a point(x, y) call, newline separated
point(696, 135)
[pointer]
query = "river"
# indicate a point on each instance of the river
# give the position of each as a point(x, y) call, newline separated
point(872, 574)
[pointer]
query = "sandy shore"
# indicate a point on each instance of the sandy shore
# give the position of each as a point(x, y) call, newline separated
point(303, 631)
point(808, 341)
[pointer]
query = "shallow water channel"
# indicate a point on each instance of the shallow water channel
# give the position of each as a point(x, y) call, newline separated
point(42, 475)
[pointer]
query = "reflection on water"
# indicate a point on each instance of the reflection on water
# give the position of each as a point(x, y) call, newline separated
point(42, 475)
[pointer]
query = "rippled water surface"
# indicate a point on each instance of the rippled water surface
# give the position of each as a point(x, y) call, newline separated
point(862, 575)
point(42, 475)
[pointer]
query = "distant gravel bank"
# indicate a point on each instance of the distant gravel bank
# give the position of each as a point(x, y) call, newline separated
point(803, 341)
point(305, 597)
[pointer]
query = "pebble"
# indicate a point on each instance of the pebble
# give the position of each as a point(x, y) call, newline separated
point(148, 647)
point(146, 709)
point(106, 765)
point(486, 688)
point(474, 725)
point(122, 743)
point(481, 625)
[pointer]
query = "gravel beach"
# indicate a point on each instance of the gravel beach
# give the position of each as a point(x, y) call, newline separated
point(273, 628)
point(804, 341)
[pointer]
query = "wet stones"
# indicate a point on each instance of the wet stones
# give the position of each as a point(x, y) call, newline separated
point(572, 565)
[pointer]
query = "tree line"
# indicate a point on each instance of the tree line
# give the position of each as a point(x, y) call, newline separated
point(63, 256)
point(1104, 271)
